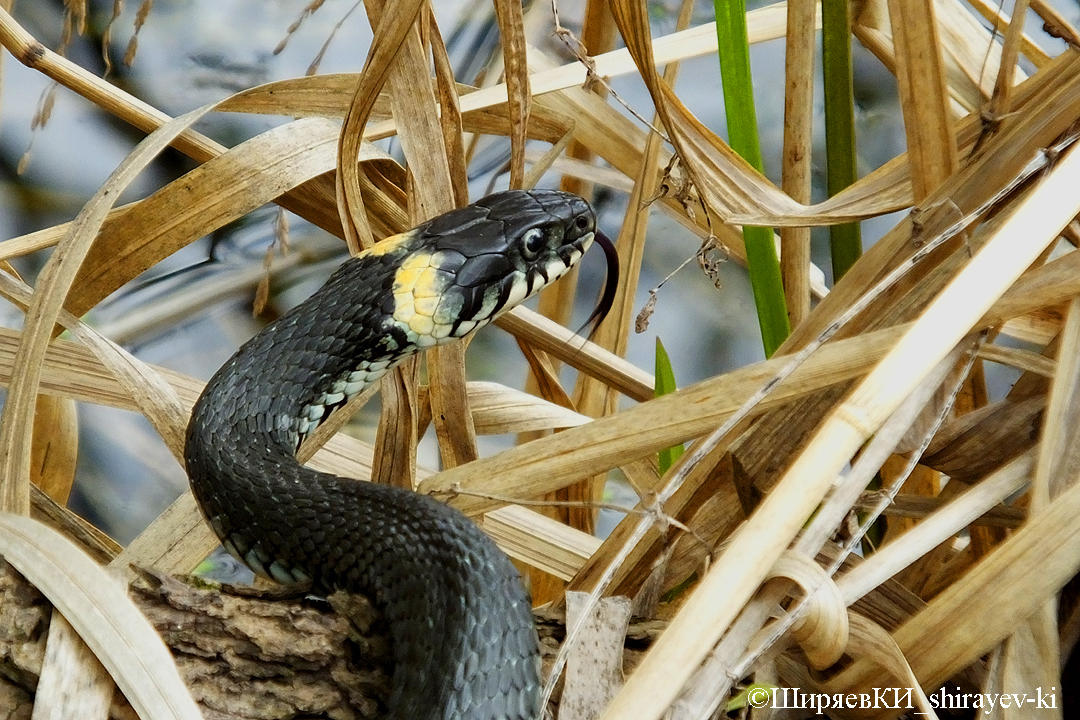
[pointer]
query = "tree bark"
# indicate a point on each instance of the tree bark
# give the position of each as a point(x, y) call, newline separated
point(245, 653)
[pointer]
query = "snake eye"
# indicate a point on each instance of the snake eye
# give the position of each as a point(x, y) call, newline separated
point(582, 222)
point(532, 242)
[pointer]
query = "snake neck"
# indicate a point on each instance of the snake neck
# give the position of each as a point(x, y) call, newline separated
point(448, 594)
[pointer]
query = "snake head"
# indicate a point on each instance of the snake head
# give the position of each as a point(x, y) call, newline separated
point(473, 264)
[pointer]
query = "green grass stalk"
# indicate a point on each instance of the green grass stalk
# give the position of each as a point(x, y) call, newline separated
point(761, 258)
point(845, 240)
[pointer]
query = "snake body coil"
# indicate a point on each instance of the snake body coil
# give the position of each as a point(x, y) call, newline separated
point(461, 623)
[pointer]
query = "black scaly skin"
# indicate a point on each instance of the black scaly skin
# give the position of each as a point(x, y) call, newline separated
point(461, 623)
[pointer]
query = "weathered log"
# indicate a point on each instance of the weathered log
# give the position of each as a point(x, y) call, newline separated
point(245, 652)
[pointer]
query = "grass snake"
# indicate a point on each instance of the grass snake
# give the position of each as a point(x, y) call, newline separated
point(460, 620)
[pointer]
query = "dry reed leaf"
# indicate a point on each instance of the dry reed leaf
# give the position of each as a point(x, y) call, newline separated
point(308, 200)
point(330, 95)
point(398, 431)
point(971, 55)
point(543, 379)
point(1030, 656)
point(553, 462)
point(447, 90)
point(936, 528)
point(539, 541)
point(71, 676)
point(92, 541)
point(72, 371)
point(813, 541)
point(727, 184)
point(596, 35)
point(639, 543)
point(245, 177)
point(738, 572)
point(1020, 359)
point(884, 443)
point(1058, 463)
point(923, 95)
point(796, 165)
point(994, 14)
point(27, 50)
point(516, 71)
point(763, 24)
point(498, 409)
point(1051, 110)
point(821, 628)
point(396, 18)
point(918, 507)
point(450, 411)
point(175, 542)
point(207, 198)
point(574, 350)
point(869, 640)
point(151, 393)
point(993, 597)
point(102, 614)
point(56, 447)
point(543, 164)
point(417, 118)
point(594, 398)
point(309, 96)
point(16, 420)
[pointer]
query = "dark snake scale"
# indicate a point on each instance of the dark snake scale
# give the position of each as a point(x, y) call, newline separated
point(460, 620)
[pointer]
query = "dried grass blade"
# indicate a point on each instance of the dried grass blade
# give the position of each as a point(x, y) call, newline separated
point(71, 677)
point(1011, 583)
point(499, 409)
point(994, 14)
point(577, 352)
point(728, 184)
point(396, 437)
point(540, 541)
point(519, 97)
point(27, 50)
point(798, 152)
point(106, 619)
point(923, 94)
point(396, 19)
point(734, 577)
point(16, 420)
point(210, 196)
point(704, 694)
point(1003, 87)
point(552, 462)
point(822, 625)
point(56, 447)
point(431, 192)
point(1030, 656)
point(763, 24)
point(149, 391)
point(870, 641)
point(936, 527)
point(1058, 465)
point(450, 115)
